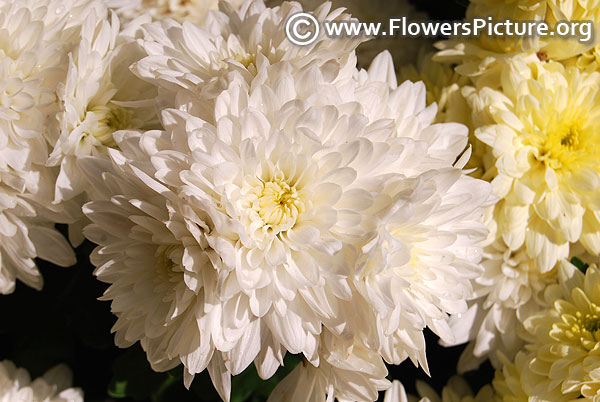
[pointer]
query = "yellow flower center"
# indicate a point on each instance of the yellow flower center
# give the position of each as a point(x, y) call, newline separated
point(563, 144)
point(279, 203)
point(567, 142)
point(591, 323)
point(110, 118)
point(580, 327)
point(246, 59)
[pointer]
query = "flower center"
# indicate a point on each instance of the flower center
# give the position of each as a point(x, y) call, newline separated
point(583, 327)
point(106, 119)
point(570, 139)
point(246, 59)
point(591, 323)
point(561, 145)
point(279, 203)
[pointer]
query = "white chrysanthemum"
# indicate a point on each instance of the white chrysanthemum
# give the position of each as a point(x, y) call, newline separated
point(457, 390)
point(35, 37)
point(342, 375)
point(191, 65)
point(543, 133)
point(404, 50)
point(53, 386)
point(180, 10)
point(26, 232)
point(294, 201)
point(566, 336)
point(266, 222)
point(100, 96)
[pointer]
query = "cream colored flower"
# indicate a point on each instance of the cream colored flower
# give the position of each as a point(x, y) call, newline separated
point(566, 336)
point(508, 292)
point(53, 386)
point(517, 382)
point(543, 133)
point(26, 232)
point(482, 58)
point(35, 39)
point(457, 390)
point(588, 61)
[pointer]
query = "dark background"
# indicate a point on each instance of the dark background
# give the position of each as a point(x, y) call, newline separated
point(66, 323)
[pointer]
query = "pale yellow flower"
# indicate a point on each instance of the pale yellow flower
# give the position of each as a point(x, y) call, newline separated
point(543, 131)
point(588, 61)
point(516, 382)
point(566, 337)
point(457, 390)
point(482, 57)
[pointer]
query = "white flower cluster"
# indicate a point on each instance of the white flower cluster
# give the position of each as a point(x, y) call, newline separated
point(291, 203)
point(251, 198)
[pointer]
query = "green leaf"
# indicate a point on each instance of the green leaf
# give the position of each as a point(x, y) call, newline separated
point(582, 266)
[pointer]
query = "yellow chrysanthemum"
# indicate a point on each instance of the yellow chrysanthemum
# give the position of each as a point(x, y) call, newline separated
point(588, 61)
point(482, 57)
point(516, 382)
point(566, 348)
point(543, 132)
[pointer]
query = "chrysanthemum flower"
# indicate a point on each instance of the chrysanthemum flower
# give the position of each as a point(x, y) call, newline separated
point(180, 10)
point(516, 382)
point(543, 133)
point(26, 232)
point(404, 50)
point(457, 390)
point(588, 61)
point(53, 386)
point(191, 65)
point(443, 85)
point(100, 96)
point(482, 58)
point(302, 198)
point(566, 336)
point(508, 292)
point(35, 37)
point(341, 376)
